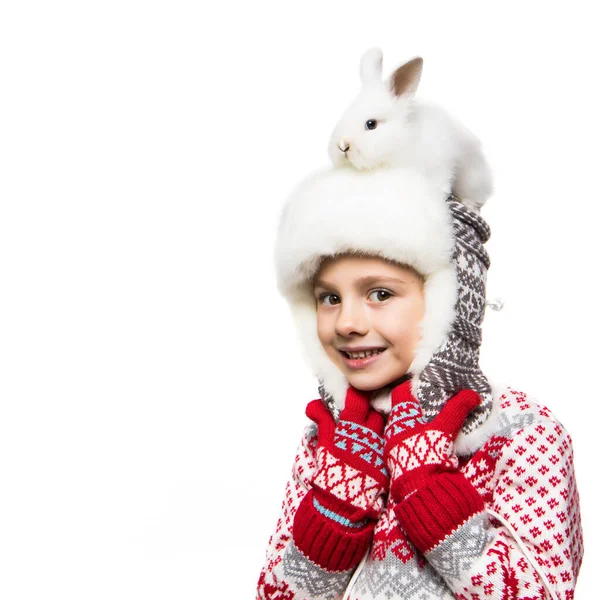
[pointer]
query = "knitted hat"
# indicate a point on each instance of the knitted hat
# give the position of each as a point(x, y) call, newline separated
point(399, 215)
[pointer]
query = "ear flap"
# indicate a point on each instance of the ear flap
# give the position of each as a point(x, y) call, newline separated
point(370, 66)
point(405, 79)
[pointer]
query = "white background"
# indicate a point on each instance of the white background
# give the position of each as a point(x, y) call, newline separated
point(152, 388)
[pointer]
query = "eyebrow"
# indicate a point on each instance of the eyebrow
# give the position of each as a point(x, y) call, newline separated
point(367, 280)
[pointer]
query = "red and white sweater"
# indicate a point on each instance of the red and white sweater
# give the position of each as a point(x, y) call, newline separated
point(526, 545)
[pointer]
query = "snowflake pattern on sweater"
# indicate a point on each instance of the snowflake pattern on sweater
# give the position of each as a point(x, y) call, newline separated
point(526, 545)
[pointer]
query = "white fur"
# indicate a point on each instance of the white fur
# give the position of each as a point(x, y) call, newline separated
point(341, 209)
point(467, 443)
point(409, 133)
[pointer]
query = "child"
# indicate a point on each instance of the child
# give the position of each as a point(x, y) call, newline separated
point(418, 477)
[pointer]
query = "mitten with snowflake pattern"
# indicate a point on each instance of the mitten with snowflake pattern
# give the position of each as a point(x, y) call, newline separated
point(433, 496)
point(334, 522)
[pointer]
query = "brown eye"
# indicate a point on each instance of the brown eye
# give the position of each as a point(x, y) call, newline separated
point(322, 298)
point(384, 292)
point(371, 124)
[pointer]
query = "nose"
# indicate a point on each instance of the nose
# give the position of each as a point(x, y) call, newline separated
point(344, 145)
point(352, 318)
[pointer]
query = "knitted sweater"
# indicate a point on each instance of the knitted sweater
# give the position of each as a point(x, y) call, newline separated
point(526, 545)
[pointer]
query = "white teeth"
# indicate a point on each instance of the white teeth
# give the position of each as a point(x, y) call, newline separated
point(364, 354)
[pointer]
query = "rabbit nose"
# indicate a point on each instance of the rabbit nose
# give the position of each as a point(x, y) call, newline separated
point(344, 146)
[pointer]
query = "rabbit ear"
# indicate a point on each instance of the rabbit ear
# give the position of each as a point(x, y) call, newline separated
point(370, 66)
point(405, 79)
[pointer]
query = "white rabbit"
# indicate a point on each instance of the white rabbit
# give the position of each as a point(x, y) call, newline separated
point(386, 126)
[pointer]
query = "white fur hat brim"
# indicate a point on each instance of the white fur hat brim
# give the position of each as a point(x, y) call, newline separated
point(393, 213)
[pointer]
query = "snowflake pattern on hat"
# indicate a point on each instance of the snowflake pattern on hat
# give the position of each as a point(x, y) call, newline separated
point(455, 365)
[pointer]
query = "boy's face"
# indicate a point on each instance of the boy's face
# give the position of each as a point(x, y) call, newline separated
point(363, 301)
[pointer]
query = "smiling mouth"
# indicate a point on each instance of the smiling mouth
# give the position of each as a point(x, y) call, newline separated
point(361, 355)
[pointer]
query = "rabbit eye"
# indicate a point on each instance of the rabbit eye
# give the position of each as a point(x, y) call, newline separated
point(371, 124)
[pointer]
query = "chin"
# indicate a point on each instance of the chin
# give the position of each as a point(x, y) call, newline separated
point(367, 382)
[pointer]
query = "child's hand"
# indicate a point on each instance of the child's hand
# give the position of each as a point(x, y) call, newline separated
point(334, 523)
point(416, 450)
point(433, 497)
point(351, 474)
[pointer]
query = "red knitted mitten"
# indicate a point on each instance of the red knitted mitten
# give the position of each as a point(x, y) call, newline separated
point(335, 520)
point(433, 496)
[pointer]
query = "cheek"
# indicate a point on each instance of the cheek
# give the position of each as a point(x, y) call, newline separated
point(406, 328)
point(323, 329)
point(405, 337)
point(418, 313)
